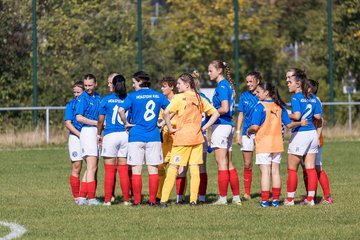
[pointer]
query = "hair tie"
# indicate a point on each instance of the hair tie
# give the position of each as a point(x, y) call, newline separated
point(224, 63)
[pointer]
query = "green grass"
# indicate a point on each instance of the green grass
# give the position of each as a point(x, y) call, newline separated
point(35, 193)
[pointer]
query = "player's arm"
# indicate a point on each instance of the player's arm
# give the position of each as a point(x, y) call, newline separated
point(209, 110)
point(123, 118)
point(285, 118)
point(100, 127)
point(240, 120)
point(70, 126)
point(84, 120)
point(224, 107)
point(252, 129)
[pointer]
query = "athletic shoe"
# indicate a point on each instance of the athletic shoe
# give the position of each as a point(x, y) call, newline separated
point(163, 204)
point(220, 202)
point(94, 202)
point(302, 200)
point(246, 197)
point(201, 202)
point(112, 199)
point(151, 204)
point(309, 203)
point(135, 204)
point(289, 203)
point(327, 200)
point(107, 204)
point(127, 203)
point(193, 204)
point(264, 204)
point(236, 202)
point(275, 203)
point(180, 202)
point(81, 201)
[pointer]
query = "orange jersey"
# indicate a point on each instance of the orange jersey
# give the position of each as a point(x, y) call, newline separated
point(188, 118)
point(268, 138)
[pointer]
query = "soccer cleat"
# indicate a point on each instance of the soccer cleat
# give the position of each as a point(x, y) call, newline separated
point(220, 202)
point(275, 203)
point(327, 200)
point(264, 204)
point(112, 199)
point(107, 204)
point(302, 200)
point(163, 204)
point(246, 197)
point(289, 203)
point(127, 203)
point(135, 204)
point(193, 204)
point(151, 204)
point(81, 201)
point(181, 202)
point(236, 202)
point(94, 202)
point(309, 203)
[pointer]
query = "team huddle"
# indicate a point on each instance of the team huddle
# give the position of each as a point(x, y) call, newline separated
point(168, 133)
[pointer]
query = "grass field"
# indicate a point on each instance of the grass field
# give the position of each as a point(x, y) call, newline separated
point(34, 192)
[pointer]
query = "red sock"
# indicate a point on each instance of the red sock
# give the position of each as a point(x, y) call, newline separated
point(247, 180)
point(75, 185)
point(123, 171)
point(223, 181)
point(312, 183)
point(291, 183)
point(203, 183)
point(265, 195)
point(153, 187)
point(110, 173)
point(137, 187)
point(324, 182)
point(130, 179)
point(234, 182)
point(83, 189)
point(91, 189)
point(276, 193)
point(305, 177)
point(180, 185)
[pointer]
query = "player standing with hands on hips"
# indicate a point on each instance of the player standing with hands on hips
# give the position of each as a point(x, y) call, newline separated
point(144, 134)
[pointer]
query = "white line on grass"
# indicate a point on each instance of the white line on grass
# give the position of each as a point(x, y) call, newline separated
point(16, 230)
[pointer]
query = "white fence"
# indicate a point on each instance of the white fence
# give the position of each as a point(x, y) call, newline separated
point(48, 108)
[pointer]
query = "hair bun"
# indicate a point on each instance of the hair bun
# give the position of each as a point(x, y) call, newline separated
point(195, 74)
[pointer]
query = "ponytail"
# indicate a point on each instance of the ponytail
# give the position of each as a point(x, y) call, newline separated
point(273, 93)
point(119, 86)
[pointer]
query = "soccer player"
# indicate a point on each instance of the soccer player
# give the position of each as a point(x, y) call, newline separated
point(266, 122)
point(223, 130)
point(74, 141)
point(247, 103)
point(168, 88)
point(87, 112)
point(115, 142)
point(304, 141)
point(188, 107)
point(313, 86)
point(144, 134)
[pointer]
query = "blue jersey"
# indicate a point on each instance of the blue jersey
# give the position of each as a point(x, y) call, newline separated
point(247, 103)
point(223, 92)
point(259, 115)
point(145, 105)
point(110, 108)
point(70, 115)
point(307, 108)
point(204, 119)
point(88, 106)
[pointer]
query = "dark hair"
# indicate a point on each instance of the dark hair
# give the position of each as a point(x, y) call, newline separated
point(79, 84)
point(255, 74)
point(226, 71)
point(188, 78)
point(300, 76)
point(313, 85)
point(90, 76)
point(273, 93)
point(144, 77)
point(119, 86)
point(171, 82)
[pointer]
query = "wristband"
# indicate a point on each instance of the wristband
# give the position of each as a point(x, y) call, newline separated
point(238, 131)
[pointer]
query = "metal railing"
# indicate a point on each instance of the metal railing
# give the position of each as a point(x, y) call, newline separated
point(48, 108)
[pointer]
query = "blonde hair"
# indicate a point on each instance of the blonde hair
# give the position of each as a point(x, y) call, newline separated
point(226, 72)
